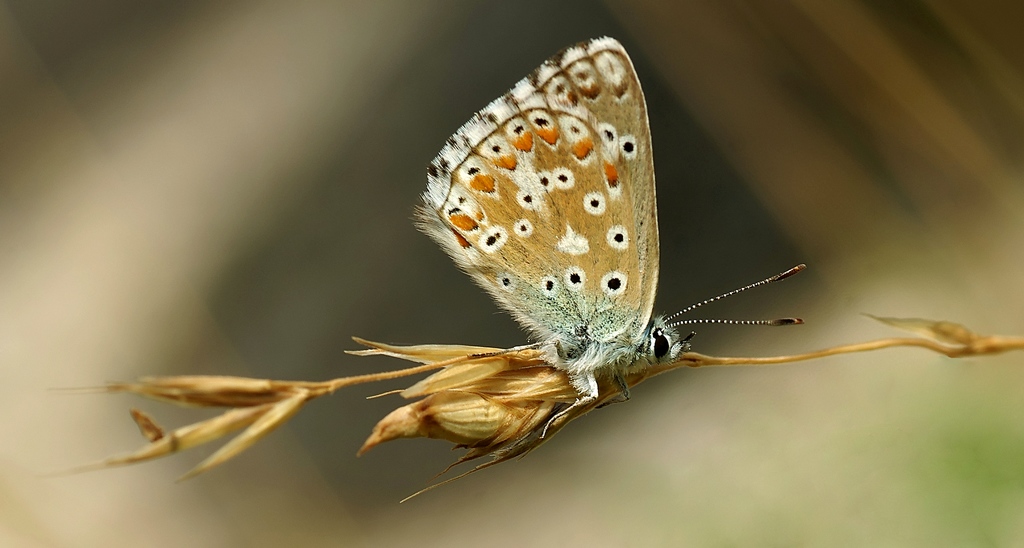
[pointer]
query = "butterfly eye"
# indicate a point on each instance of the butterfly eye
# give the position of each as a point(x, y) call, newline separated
point(659, 342)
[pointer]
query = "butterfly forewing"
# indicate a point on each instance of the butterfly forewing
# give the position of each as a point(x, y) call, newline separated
point(546, 197)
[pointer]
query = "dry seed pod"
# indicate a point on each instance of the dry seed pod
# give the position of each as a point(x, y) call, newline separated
point(493, 402)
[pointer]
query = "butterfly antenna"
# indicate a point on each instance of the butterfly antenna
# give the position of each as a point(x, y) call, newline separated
point(766, 281)
point(779, 321)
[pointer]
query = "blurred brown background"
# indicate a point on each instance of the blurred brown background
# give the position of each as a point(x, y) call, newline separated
point(226, 188)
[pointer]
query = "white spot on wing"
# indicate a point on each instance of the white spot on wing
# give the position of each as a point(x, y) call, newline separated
point(506, 281)
point(573, 243)
point(559, 89)
point(594, 203)
point(549, 285)
point(618, 238)
point(546, 180)
point(582, 74)
point(609, 138)
point(610, 67)
point(564, 179)
point(573, 128)
point(575, 277)
point(627, 144)
point(613, 283)
point(493, 240)
point(530, 200)
point(524, 228)
point(499, 142)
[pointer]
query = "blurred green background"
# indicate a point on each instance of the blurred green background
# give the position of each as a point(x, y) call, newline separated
point(226, 188)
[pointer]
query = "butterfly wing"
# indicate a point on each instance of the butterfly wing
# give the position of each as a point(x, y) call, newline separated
point(546, 197)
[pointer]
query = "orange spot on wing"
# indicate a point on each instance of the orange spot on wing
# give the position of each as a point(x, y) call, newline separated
point(591, 92)
point(463, 221)
point(480, 215)
point(549, 134)
point(524, 142)
point(583, 147)
point(462, 241)
point(506, 161)
point(482, 182)
point(611, 174)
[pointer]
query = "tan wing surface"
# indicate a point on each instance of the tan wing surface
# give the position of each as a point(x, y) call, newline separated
point(546, 197)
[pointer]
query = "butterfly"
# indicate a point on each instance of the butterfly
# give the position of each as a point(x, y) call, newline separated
point(546, 199)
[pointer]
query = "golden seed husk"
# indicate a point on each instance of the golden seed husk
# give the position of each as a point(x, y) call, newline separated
point(490, 401)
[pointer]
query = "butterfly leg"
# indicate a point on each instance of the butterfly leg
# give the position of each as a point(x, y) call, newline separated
point(623, 392)
point(586, 386)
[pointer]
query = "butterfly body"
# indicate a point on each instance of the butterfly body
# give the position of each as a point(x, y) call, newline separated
point(546, 199)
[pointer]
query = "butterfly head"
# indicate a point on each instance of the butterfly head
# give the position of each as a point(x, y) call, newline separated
point(662, 342)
